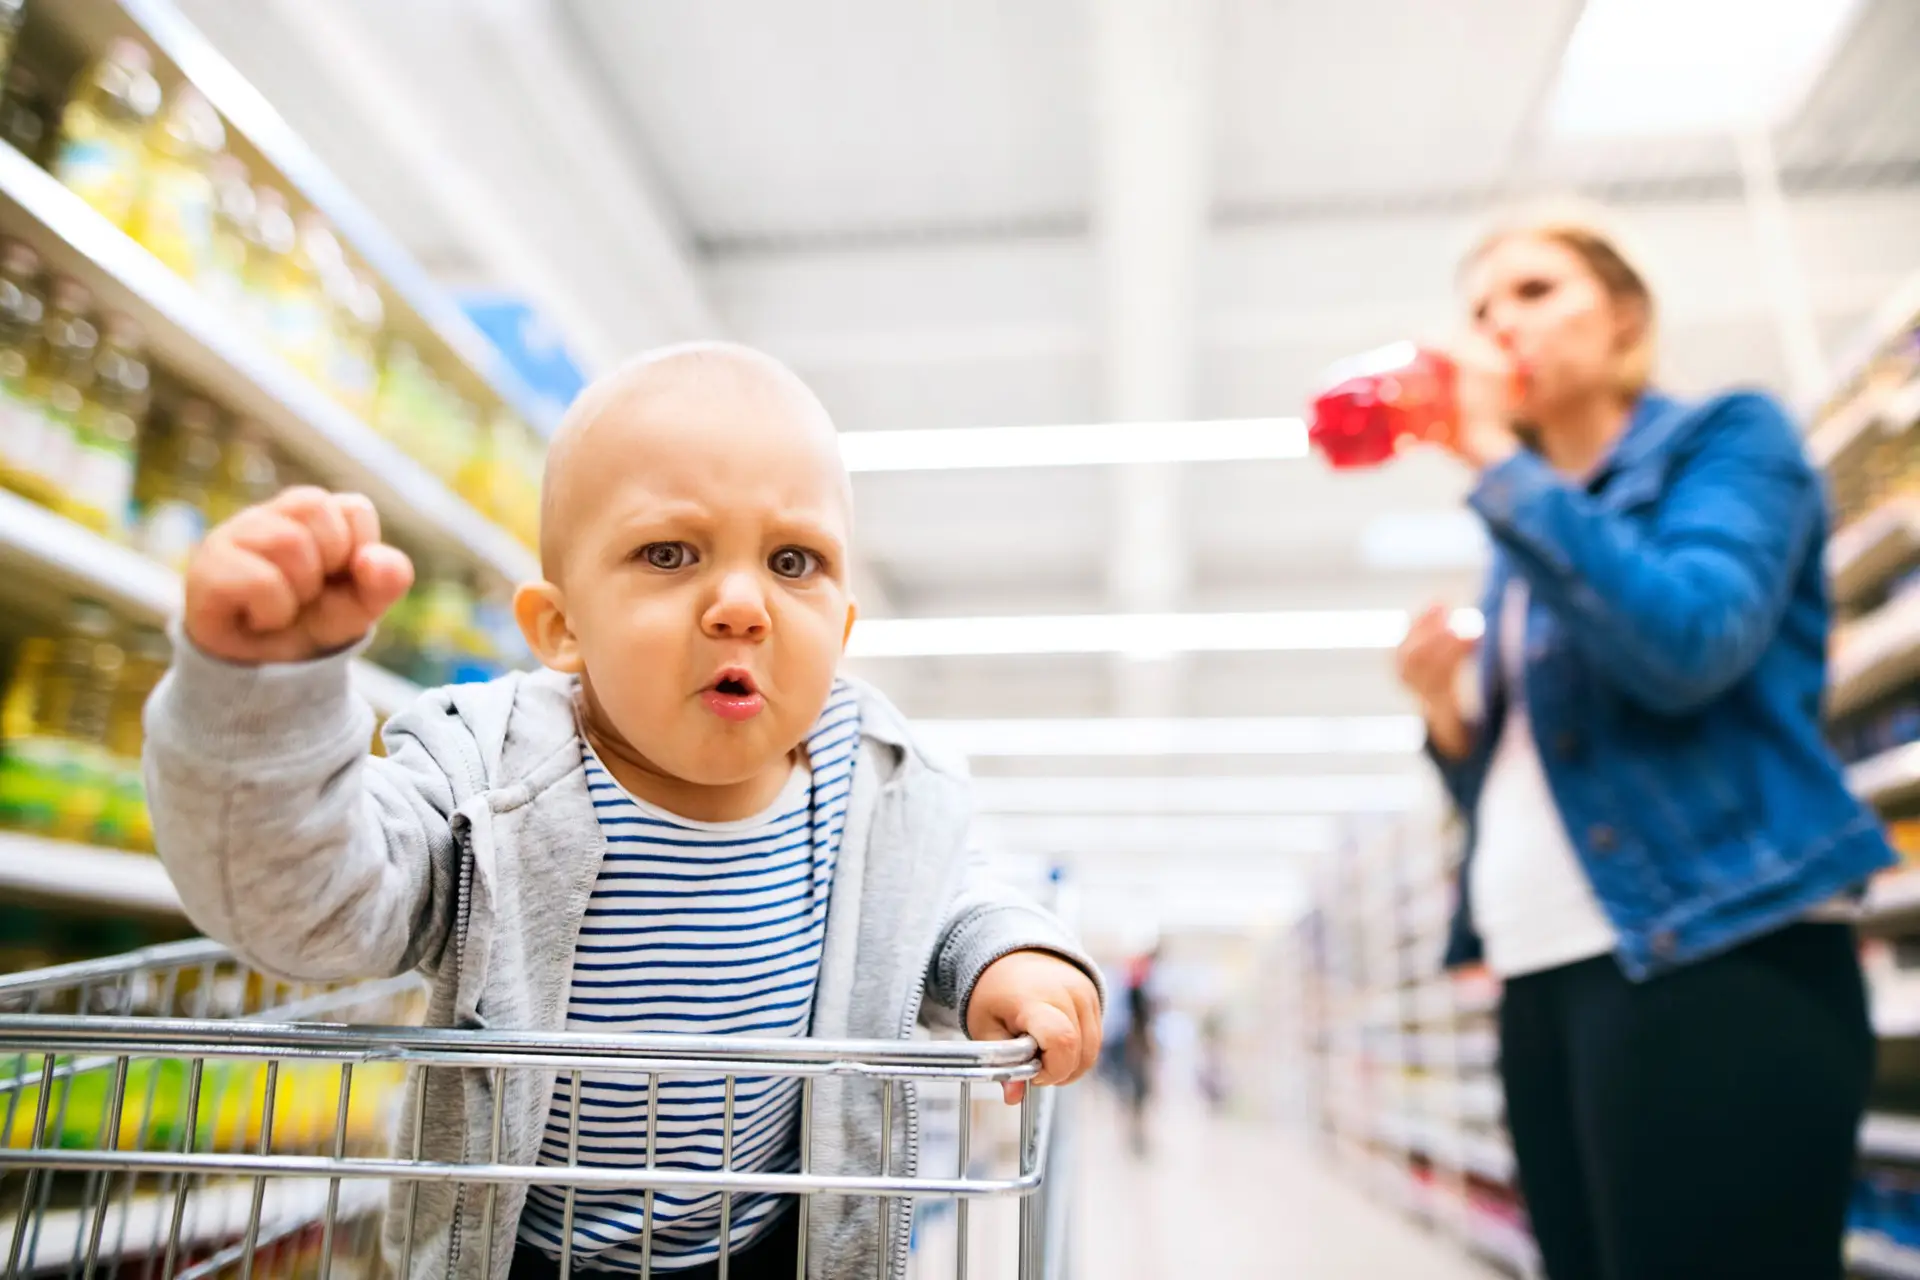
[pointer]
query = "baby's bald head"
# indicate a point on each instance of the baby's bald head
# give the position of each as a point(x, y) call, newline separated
point(713, 395)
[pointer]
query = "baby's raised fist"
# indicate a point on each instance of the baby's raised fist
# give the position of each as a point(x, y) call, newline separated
point(294, 578)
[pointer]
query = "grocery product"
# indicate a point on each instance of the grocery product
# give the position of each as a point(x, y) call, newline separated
point(22, 313)
point(53, 761)
point(173, 214)
point(124, 821)
point(353, 355)
point(57, 384)
point(222, 275)
point(25, 116)
point(99, 490)
point(299, 319)
point(249, 473)
point(270, 247)
point(12, 14)
point(180, 470)
point(102, 132)
point(1380, 401)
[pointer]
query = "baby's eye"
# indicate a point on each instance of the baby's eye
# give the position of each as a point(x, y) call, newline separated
point(792, 562)
point(667, 556)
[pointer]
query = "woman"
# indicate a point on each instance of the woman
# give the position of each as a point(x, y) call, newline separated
point(1661, 843)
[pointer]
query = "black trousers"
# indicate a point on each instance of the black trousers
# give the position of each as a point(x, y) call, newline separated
point(774, 1256)
point(1698, 1125)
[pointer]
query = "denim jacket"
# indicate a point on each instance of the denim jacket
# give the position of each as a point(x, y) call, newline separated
point(1675, 660)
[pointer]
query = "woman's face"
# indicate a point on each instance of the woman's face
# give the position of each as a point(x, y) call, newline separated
point(1539, 299)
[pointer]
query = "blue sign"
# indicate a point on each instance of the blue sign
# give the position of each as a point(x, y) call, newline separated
point(531, 345)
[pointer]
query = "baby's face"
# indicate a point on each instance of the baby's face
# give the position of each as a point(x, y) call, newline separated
point(703, 572)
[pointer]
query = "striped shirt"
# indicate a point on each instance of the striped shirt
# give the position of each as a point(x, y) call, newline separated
point(707, 928)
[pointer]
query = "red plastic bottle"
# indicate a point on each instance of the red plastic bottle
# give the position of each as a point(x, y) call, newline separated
point(1379, 401)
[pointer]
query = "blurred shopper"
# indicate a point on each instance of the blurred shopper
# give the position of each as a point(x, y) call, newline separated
point(1137, 1049)
point(1661, 842)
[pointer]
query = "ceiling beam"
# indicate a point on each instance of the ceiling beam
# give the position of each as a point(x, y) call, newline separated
point(1152, 114)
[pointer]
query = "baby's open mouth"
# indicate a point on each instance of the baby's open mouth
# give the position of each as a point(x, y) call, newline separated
point(734, 696)
point(735, 684)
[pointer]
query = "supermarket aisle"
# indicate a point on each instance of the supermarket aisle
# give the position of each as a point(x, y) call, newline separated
point(1236, 1199)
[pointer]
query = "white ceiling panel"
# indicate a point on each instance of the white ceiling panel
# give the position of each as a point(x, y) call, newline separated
point(773, 120)
point(1367, 97)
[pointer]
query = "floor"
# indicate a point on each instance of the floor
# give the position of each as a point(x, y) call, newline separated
point(1216, 1198)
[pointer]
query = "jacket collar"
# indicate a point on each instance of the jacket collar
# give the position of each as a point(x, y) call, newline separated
point(1649, 430)
point(522, 723)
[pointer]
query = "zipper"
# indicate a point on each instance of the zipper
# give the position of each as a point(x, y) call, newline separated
point(910, 1095)
point(462, 916)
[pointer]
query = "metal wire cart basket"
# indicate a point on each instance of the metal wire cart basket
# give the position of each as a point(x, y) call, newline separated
point(175, 1115)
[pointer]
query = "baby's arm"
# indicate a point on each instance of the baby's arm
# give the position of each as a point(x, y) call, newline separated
point(1006, 967)
point(285, 838)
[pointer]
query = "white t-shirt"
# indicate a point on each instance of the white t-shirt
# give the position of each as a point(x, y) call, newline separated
point(1532, 903)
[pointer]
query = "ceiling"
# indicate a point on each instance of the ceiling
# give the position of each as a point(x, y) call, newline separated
point(984, 212)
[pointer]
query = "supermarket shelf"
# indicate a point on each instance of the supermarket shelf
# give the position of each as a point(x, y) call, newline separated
point(1863, 555)
point(1881, 653)
point(256, 131)
point(1892, 777)
point(191, 336)
point(1892, 905)
point(53, 549)
point(31, 866)
point(215, 1213)
point(1502, 1242)
point(1875, 1255)
point(1894, 311)
point(1891, 1138)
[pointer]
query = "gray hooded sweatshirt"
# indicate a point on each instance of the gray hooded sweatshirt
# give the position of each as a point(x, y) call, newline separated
point(469, 852)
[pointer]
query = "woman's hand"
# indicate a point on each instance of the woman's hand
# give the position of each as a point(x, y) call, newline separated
point(1487, 383)
point(1428, 662)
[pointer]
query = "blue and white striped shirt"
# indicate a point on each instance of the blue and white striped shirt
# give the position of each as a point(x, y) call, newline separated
point(707, 928)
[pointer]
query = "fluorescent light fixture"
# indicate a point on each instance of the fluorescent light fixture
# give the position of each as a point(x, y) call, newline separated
point(1086, 445)
point(1178, 841)
point(1203, 796)
point(1140, 633)
point(1406, 541)
point(1221, 736)
point(1639, 67)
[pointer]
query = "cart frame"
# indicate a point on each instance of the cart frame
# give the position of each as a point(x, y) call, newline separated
point(44, 1056)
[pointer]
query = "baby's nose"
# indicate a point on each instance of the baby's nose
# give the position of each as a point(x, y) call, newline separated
point(738, 609)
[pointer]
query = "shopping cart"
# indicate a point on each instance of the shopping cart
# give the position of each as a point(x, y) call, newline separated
point(175, 1115)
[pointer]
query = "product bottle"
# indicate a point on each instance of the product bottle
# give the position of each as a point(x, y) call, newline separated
point(100, 495)
point(1377, 402)
point(301, 326)
point(94, 664)
point(55, 719)
point(59, 384)
point(223, 274)
point(173, 214)
point(22, 313)
point(400, 403)
point(25, 116)
point(102, 129)
point(12, 14)
point(269, 251)
point(249, 473)
point(353, 359)
point(124, 822)
point(179, 485)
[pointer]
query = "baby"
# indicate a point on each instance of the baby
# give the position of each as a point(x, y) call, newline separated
point(688, 822)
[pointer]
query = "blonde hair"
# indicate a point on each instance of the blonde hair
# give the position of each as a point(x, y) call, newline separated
point(1600, 249)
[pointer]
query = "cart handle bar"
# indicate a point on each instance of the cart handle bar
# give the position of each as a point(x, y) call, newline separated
point(998, 1060)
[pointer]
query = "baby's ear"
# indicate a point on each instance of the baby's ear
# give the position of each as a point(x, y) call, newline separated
point(853, 614)
point(541, 611)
